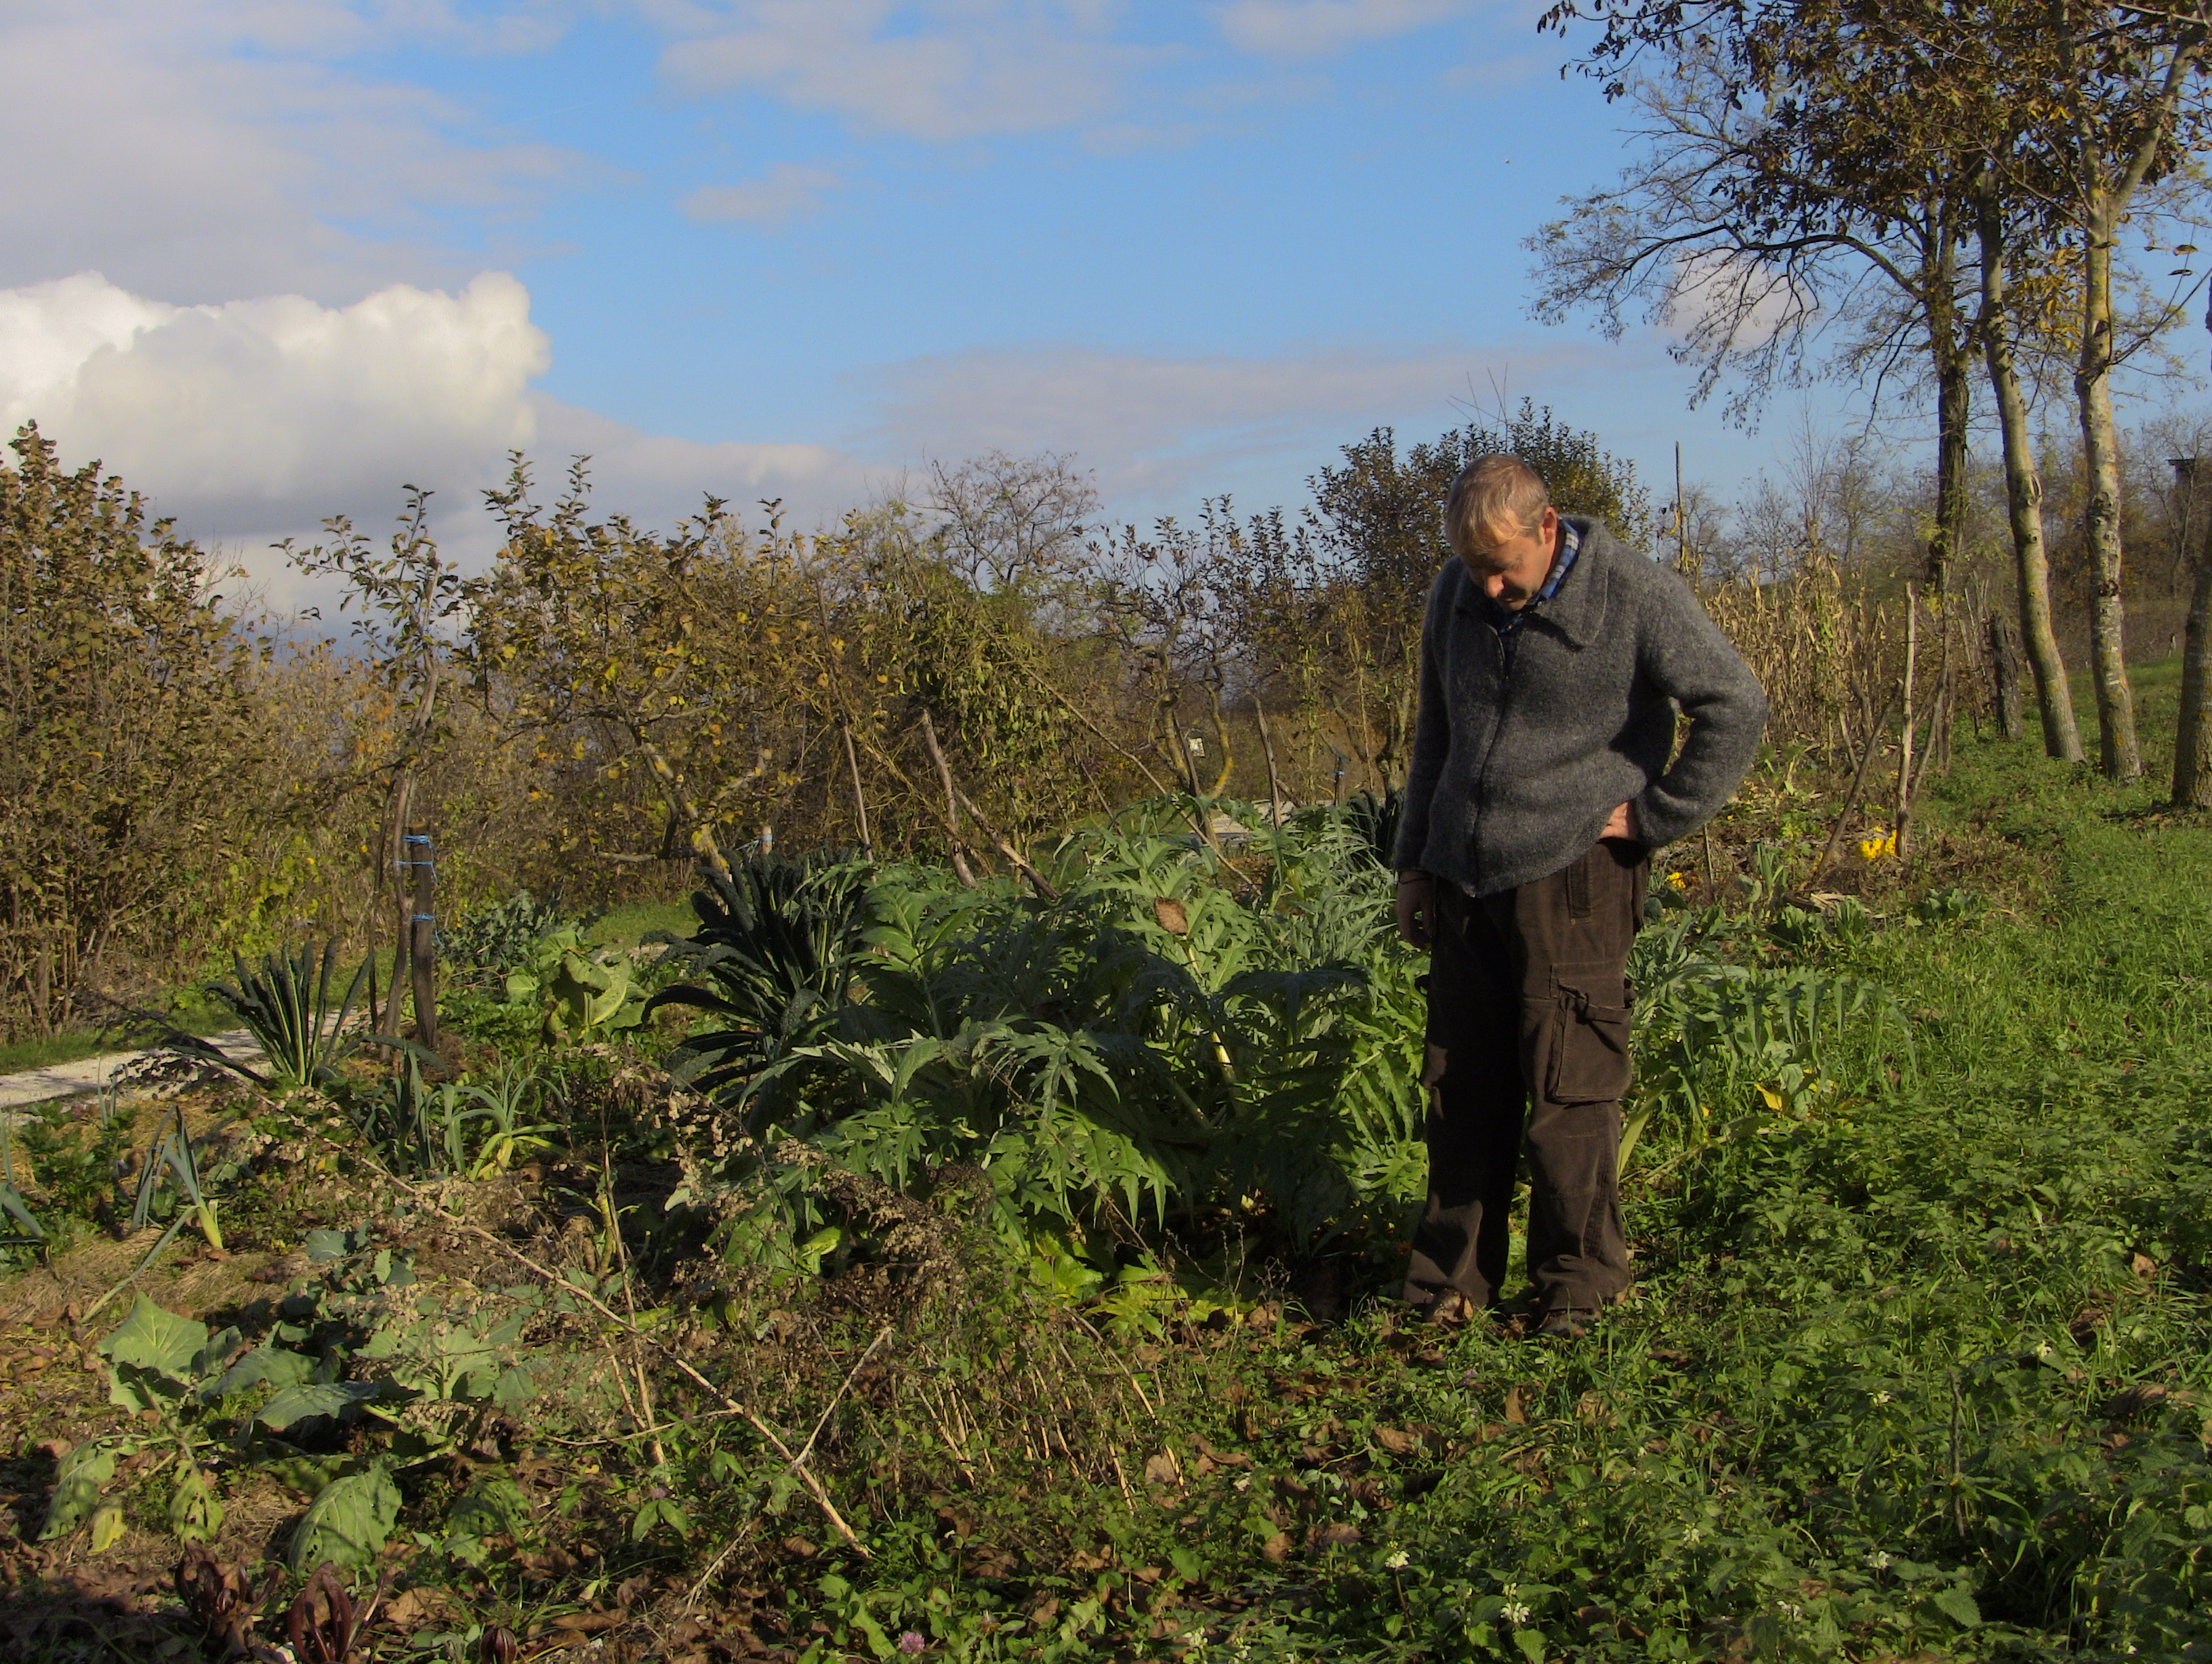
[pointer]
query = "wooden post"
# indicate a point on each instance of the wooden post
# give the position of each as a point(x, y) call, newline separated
point(421, 938)
point(403, 901)
point(1901, 826)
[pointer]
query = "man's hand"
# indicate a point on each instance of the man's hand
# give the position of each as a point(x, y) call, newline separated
point(1416, 907)
point(1621, 823)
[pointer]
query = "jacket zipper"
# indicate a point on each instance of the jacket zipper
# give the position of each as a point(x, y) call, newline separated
point(1505, 706)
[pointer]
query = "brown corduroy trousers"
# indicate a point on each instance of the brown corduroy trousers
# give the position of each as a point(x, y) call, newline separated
point(1527, 1048)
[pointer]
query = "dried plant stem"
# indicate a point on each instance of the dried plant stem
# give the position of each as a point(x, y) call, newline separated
point(851, 1376)
point(1874, 729)
point(859, 797)
point(1135, 1386)
point(1274, 784)
point(805, 1475)
point(960, 800)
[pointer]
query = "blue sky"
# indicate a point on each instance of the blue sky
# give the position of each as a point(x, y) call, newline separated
point(791, 246)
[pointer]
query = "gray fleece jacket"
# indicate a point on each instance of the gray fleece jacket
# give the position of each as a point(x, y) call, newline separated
point(1521, 750)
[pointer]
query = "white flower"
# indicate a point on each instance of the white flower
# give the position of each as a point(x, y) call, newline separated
point(1516, 1614)
point(1398, 1562)
point(1789, 1609)
point(1882, 1398)
point(1878, 1559)
point(1693, 1536)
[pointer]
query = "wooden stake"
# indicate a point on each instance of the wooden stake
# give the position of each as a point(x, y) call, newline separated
point(403, 804)
point(1274, 786)
point(422, 949)
point(1850, 798)
point(1901, 823)
point(859, 798)
point(951, 800)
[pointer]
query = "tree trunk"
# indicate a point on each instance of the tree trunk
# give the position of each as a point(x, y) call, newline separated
point(2117, 752)
point(2004, 675)
point(2192, 738)
point(1953, 358)
point(2054, 699)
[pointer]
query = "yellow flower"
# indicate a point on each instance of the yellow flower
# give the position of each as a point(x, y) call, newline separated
point(1678, 880)
point(1882, 842)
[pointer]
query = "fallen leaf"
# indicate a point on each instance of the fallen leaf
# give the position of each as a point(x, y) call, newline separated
point(1162, 1469)
point(1337, 1533)
point(1396, 1443)
point(2143, 1266)
point(1224, 1458)
point(107, 1528)
point(2132, 1399)
point(1277, 1547)
point(584, 1622)
point(408, 1609)
point(1173, 919)
point(1514, 1413)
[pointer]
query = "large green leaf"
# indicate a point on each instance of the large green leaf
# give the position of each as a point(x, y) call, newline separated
point(195, 1510)
point(348, 1523)
point(77, 1488)
point(316, 1399)
point(491, 1505)
point(12, 1203)
point(153, 1338)
point(272, 1363)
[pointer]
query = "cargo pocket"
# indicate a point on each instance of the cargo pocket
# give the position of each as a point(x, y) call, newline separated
point(1590, 1038)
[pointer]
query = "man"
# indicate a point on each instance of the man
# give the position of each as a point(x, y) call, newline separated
point(1553, 661)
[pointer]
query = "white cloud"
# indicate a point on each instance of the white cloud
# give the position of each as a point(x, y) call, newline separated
point(251, 420)
point(785, 192)
point(931, 68)
point(1713, 294)
point(1306, 28)
point(1159, 430)
point(254, 420)
point(267, 415)
point(203, 149)
point(658, 479)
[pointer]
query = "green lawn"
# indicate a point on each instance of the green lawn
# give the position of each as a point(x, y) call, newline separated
point(1921, 1371)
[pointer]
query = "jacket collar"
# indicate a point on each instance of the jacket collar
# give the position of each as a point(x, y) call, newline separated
point(1577, 609)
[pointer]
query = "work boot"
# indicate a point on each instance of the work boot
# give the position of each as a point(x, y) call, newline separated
point(1451, 1309)
point(1566, 1324)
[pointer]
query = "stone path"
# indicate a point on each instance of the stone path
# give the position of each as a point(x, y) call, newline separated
point(89, 1074)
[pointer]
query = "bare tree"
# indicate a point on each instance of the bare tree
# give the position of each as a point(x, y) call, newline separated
point(2127, 89)
point(1766, 226)
point(1013, 524)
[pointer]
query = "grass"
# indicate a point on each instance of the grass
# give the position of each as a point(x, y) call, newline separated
point(188, 1012)
point(626, 926)
point(1919, 1367)
point(1925, 1374)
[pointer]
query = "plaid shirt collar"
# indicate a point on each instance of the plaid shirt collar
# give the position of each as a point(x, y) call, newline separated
point(1506, 620)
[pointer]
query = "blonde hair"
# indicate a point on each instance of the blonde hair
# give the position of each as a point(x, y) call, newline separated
point(1494, 496)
